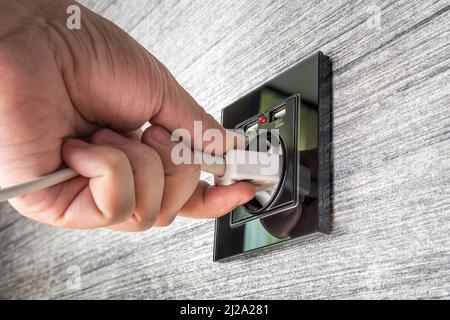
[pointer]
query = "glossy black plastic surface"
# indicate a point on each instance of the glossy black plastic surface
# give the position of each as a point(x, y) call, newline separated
point(241, 231)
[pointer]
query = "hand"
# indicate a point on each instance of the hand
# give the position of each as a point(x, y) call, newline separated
point(77, 97)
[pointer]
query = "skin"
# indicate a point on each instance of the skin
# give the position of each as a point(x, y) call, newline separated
point(77, 98)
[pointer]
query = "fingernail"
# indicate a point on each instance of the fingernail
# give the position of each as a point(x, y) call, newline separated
point(112, 138)
point(161, 136)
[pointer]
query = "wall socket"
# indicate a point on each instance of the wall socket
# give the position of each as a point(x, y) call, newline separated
point(295, 109)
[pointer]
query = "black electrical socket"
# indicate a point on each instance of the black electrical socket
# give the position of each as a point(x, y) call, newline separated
point(297, 103)
point(279, 132)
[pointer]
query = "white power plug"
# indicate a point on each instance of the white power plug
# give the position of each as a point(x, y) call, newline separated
point(263, 169)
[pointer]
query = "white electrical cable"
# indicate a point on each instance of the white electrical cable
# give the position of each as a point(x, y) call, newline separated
point(37, 184)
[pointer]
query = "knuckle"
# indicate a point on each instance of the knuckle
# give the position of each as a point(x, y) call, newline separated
point(117, 208)
point(121, 212)
point(110, 219)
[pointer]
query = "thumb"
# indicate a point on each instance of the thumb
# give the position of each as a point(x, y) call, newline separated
point(180, 111)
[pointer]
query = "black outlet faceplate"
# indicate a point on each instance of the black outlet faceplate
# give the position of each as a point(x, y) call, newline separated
point(286, 129)
point(310, 83)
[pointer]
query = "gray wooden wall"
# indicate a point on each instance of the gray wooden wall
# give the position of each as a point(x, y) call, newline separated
point(391, 233)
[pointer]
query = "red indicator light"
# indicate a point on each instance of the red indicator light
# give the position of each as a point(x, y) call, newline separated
point(262, 120)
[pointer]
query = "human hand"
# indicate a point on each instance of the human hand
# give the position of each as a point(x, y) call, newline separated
point(59, 85)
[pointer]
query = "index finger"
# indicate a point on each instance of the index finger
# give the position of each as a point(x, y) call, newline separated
point(179, 110)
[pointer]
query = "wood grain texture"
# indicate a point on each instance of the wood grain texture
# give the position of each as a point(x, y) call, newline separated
point(391, 147)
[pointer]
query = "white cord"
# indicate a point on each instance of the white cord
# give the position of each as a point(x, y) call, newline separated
point(37, 184)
